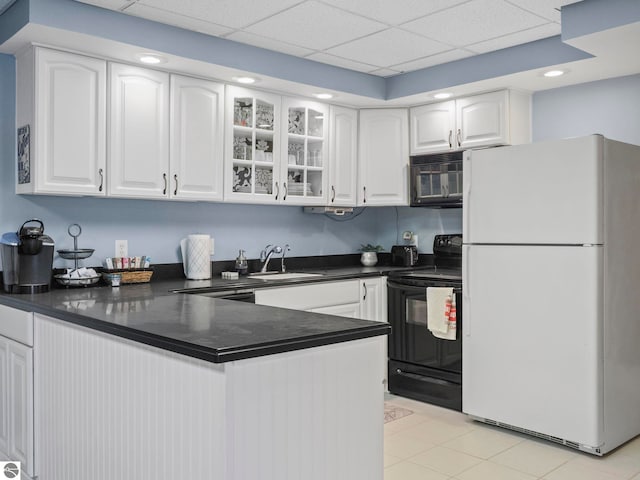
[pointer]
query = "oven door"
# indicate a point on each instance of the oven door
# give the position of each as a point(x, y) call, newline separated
point(410, 340)
point(422, 366)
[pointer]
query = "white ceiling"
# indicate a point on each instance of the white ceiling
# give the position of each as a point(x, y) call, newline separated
point(381, 37)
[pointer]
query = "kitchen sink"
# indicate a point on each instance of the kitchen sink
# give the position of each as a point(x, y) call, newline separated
point(283, 276)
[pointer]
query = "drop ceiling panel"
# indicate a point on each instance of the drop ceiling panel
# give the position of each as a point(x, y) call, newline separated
point(110, 4)
point(341, 62)
point(268, 43)
point(315, 25)
point(393, 12)
point(388, 47)
point(518, 38)
point(549, 9)
point(178, 20)
point(474, 22)
point(437, 59)
point(231, 13)
point(385, 72)
point(373, 36)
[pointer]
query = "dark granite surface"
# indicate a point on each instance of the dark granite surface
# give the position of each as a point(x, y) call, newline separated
point(211, 329)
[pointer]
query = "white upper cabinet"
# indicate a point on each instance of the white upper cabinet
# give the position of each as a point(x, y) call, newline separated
point(252, 147)
point(383, 157)
point(197, 135)
point(61, 111)
point(343, 157)
point(306, 145)
point(496, 118)
point(433, 127)
point(276, 149)
point(138, 132)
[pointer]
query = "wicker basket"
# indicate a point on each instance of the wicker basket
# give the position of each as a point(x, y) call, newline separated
point(133, 276)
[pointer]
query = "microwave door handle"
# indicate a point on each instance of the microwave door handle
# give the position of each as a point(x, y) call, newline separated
point(450, 138)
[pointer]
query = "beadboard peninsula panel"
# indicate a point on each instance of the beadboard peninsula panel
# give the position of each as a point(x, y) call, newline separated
point(310, 414)
point(109, 408)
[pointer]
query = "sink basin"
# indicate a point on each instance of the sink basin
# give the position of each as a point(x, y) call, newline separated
point(283, 276)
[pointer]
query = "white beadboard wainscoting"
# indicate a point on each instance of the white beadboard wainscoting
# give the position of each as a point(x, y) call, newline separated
point(108, 408)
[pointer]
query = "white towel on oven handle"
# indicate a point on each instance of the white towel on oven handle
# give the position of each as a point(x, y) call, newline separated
point(437, 319)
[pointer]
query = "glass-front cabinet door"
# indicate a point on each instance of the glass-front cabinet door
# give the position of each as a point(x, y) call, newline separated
point(252, 152)
point(305, 145)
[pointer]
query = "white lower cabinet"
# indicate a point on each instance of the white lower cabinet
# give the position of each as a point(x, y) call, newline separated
point(16, 388)
point(364, 298)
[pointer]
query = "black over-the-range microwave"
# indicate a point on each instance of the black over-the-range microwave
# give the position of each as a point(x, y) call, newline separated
point(436, 180)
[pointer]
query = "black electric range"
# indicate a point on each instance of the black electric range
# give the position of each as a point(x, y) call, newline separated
point(421, 365)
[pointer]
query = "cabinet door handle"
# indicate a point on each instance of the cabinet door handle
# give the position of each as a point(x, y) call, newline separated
point(164, 178)
point(284, 184)
point(459, 138)
point(364, 194)
point(450, 138)
point(175, 191)
point(277, 191)
point(101, 173)
point(333, 193)
point(364, 286)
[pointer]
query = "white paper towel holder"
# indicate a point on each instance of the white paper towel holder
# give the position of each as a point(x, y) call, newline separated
point(197, 250)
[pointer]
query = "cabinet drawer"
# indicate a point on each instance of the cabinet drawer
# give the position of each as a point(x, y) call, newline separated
point(310, 296)
point(16, 325)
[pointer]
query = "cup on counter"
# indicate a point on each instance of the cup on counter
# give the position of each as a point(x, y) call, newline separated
point(115, 280)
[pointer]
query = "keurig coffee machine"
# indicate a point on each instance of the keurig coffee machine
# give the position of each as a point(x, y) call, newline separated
point(27, 259)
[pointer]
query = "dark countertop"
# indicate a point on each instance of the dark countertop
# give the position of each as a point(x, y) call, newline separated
point(211, 329)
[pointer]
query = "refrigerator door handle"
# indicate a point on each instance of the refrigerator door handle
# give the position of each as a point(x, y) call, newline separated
point(466, 195)
point(466, 291)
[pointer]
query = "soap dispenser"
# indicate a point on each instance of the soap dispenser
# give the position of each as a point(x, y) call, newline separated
point(241, 263)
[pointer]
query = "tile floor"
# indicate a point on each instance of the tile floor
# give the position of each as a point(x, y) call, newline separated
point(439, 444)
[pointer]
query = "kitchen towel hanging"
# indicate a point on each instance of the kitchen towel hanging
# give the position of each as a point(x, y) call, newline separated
point(196, 256)
point(441, 312)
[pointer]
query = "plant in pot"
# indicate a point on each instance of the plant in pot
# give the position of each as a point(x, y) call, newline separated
point(369, 255)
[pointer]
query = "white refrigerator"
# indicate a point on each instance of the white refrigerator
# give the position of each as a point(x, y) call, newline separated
point(551, 290)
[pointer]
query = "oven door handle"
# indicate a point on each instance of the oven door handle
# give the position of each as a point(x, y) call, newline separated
point(414, 288)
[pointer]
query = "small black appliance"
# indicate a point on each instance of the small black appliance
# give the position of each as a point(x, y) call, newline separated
point(404, 255)
point(27, 259)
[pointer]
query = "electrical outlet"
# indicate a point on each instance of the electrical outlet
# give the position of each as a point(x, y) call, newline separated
point(122, 248)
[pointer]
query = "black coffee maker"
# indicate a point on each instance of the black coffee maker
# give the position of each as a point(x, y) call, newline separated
point(27, 259)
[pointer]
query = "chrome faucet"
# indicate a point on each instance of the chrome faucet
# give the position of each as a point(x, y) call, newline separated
point(284, 252)
point(266, 254)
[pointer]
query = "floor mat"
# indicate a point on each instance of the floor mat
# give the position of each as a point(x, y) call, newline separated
point(393, 412)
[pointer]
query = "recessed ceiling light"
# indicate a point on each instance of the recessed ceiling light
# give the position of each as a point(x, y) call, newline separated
point(554, 73)
point(151, 58)
point(442, 95)
point(323, 96)
point(245, 80)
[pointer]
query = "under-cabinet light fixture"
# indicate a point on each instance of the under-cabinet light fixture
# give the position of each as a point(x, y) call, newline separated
point(246, 80)
point(442, 95)
point(554, 73)
point(151, 58)
point(323, 96)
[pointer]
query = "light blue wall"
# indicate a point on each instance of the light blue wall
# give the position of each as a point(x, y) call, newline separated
point(155, 228)
point(609, 107)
